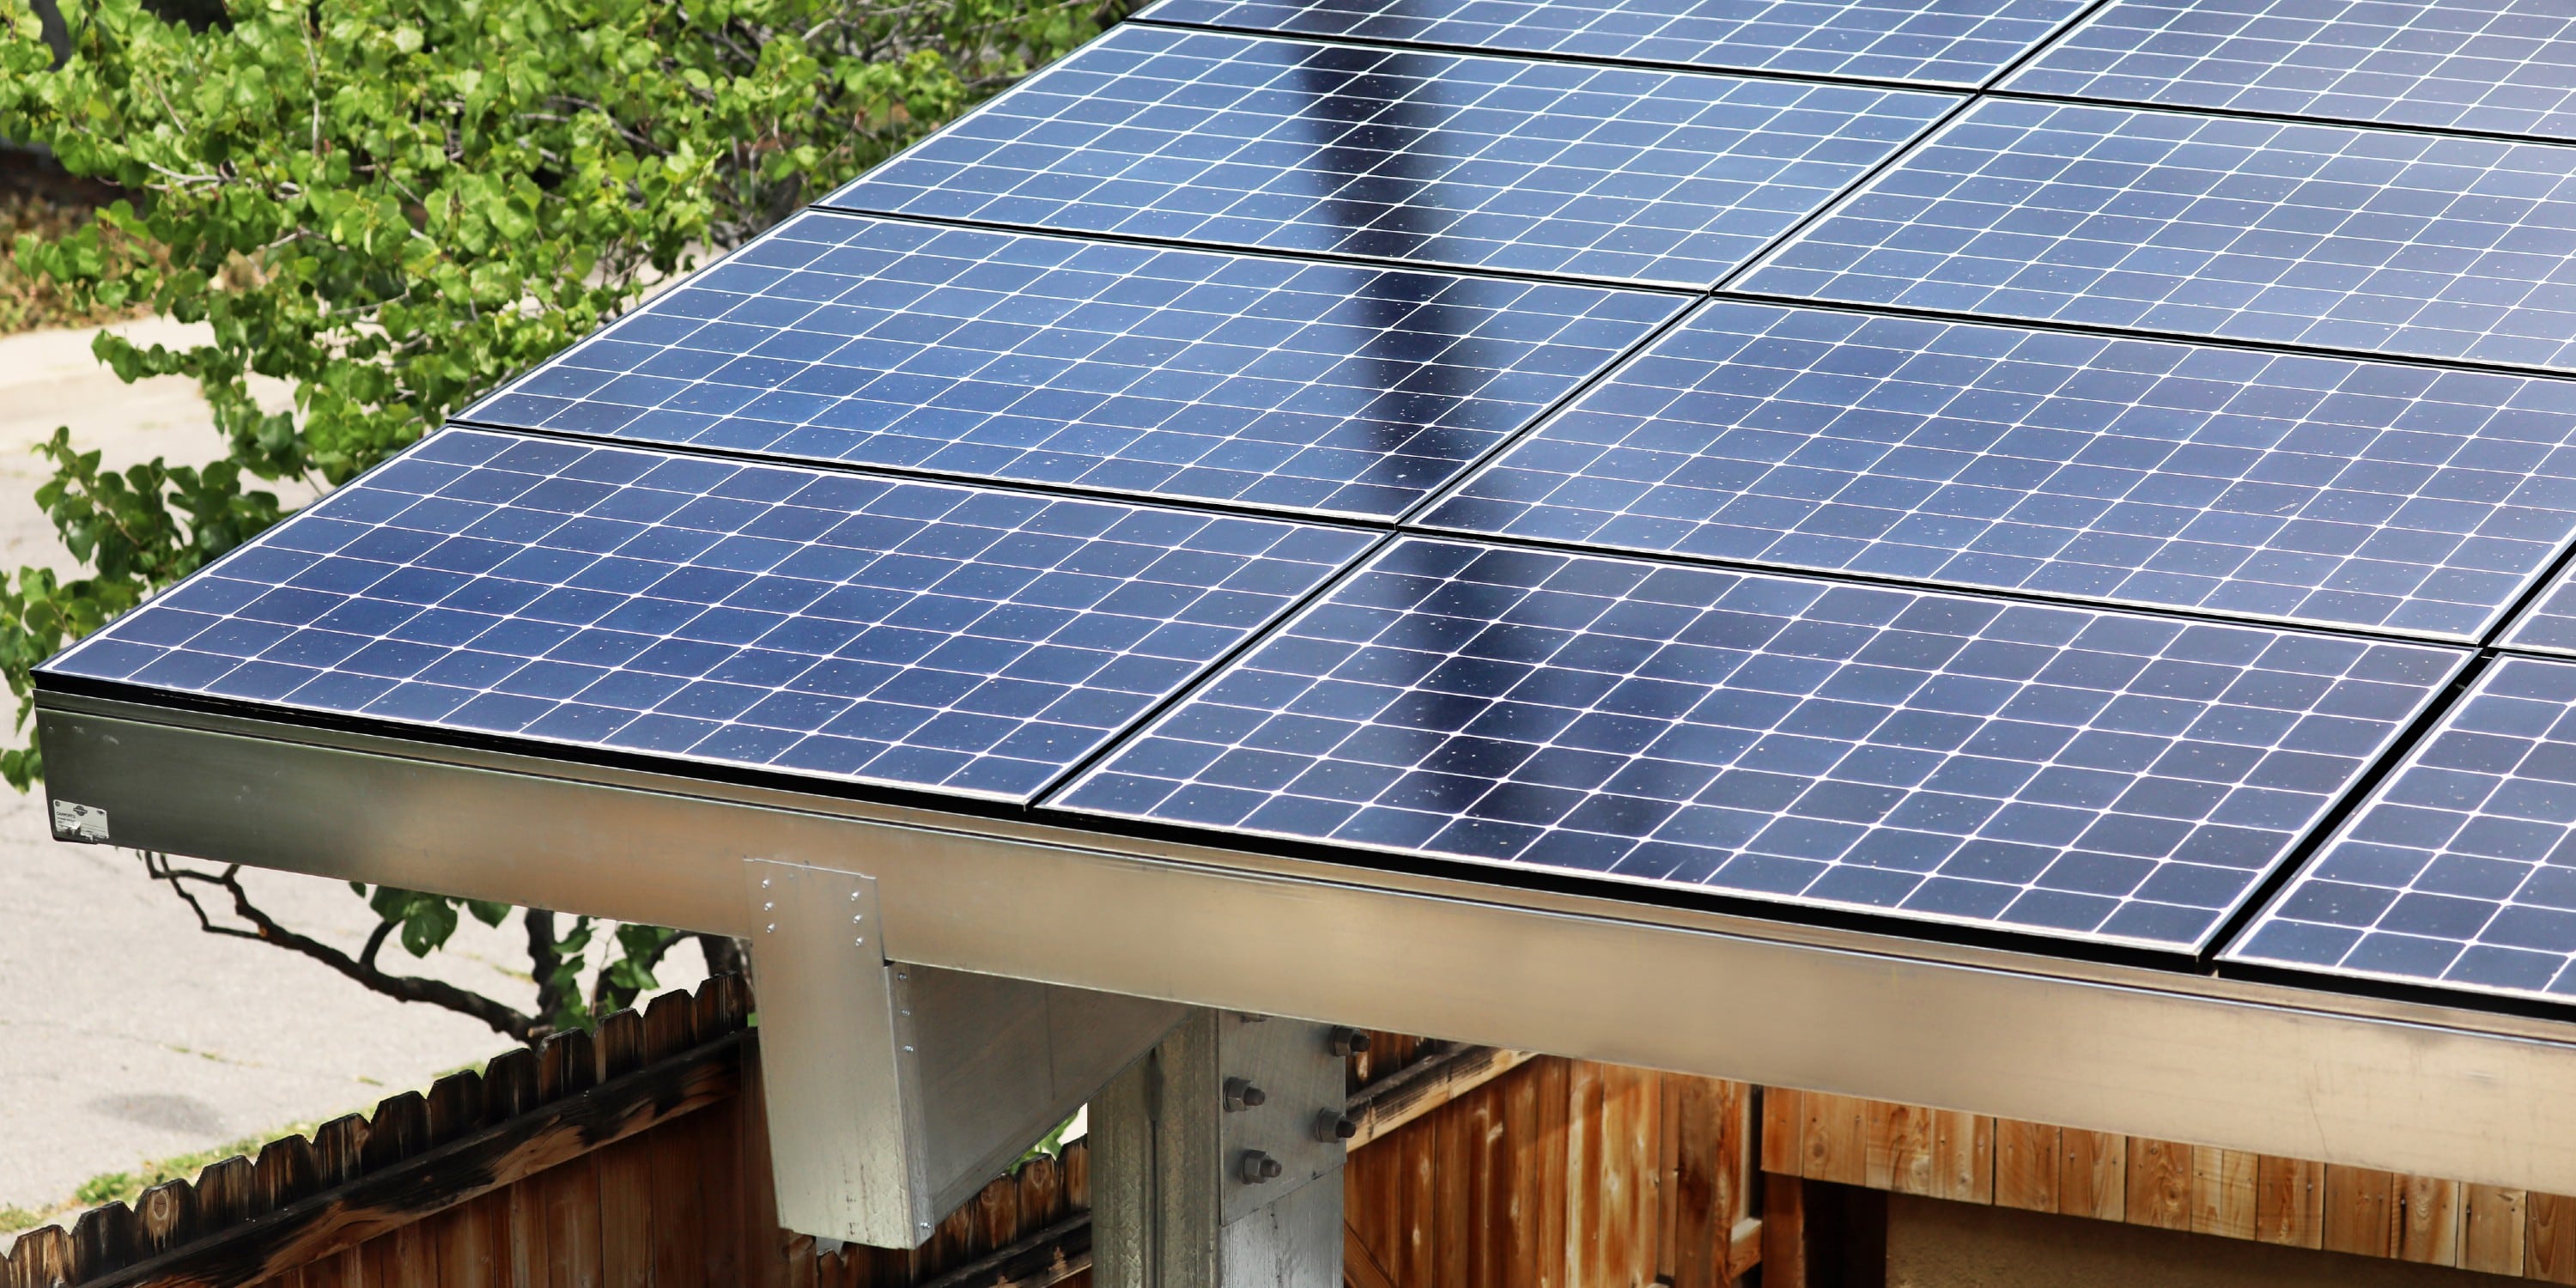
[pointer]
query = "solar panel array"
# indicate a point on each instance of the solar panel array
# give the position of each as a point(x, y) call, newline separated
point(2099, 473)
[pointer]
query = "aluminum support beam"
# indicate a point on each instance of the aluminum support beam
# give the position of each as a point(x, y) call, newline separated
point(2302, 1072)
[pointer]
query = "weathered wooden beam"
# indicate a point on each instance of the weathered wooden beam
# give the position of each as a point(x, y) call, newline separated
point(1418, 1089)
point(1049, 1256)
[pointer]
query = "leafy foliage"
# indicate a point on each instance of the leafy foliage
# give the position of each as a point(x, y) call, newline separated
point(395, 204)
point(412, 199)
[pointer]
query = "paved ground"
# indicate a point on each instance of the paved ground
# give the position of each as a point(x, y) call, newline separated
point(126, 1034)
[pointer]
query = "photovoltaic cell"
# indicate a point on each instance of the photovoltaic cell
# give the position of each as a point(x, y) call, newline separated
point(1264, 382)
point(1538, 167)
point(2226, 480)
point(2499, 66)
point(1939, 42)
point(2460, 870)
point(2065, 771)
point(831, 625)
point(2372, 241)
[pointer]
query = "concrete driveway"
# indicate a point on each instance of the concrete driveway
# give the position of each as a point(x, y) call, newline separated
point(127, 1034)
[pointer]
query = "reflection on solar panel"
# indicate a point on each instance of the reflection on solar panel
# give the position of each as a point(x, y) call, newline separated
point(2461, 868)
point(2060, 770)
point(1947, 42)
point(1258, 381)
point(2502, 66)
point(2268, 485)
point(2367, 240)
point(820, 624)
point(1617, 173)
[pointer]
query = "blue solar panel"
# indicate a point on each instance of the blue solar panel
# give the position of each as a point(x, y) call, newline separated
point(1258, 381)
point(2549, 624)
point(2225, 480)
point(1938, 42)
point(2461, 868)
point(830, 625)
point(2499, 66)
point(2111, 776)
point(1537, 167)
point(2372, 241)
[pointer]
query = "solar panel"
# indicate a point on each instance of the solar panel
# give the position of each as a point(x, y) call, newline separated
point(2461, 868)
point(1265, 382)
point(2117, 777)
point(2310, 489)
point(819, 624)
point(2372, 241)
point(1937, 42)
point(2549, 624)
point(2499, 66)
point(1535, 167)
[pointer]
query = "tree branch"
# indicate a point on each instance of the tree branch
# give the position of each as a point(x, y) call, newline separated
point(401, 988)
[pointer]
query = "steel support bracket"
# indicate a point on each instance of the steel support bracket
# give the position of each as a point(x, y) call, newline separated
point(896, 1091)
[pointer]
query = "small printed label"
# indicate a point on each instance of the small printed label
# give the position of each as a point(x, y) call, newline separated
point(77, 822)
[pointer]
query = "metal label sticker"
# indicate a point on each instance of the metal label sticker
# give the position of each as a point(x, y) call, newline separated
point(77, 822)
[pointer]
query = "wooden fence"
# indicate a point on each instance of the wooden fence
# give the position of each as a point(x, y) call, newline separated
point(638, 1157)
point(2168, 1185)
point(1498, 1170)
point(631, 1158)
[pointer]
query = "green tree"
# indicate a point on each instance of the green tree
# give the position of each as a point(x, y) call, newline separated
point(395, 204)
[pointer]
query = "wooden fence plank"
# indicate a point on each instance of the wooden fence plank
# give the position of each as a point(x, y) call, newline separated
point(711, 1139)
point(1896, 1147)
point(1449, 1128)
point(573, 1241)
point(2223, 1201)
point(2491, 1230)
point(1704, 1182)
point(1500, 1249)
point(1418, 1196)
point(102, 1242)
point(1668, 1162)
point(2428, 1221)
point(2289, 1201)
point(1631, 1125)
point(1963, 1157)
point(2549, 1237)
point(626, 1210)
point(2361, 1211)
point(165, 1217)
point(2159, 1184)
point(2093, 1174)
point(1784, 1231)
point(1555, 1102)
point(1784, 1131)
point(1836, 1133)
point(1585, 1157)
point(2026, 1163)
point(679, 1248)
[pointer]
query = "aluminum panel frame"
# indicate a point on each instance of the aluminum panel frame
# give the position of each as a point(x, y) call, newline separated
point(2307, 1073)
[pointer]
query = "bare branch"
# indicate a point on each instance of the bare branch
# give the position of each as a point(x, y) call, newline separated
point(401, 988)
